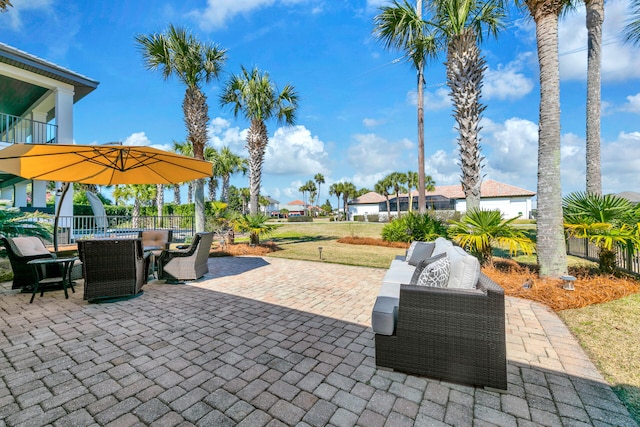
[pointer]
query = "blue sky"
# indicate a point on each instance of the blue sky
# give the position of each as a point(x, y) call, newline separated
point(357, 119)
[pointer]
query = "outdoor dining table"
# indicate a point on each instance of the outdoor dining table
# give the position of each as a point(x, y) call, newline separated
point(39, 265)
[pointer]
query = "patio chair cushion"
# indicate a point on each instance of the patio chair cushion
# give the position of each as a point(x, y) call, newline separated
point(30, 246)
point(465, 269)
point(435, 274)
point(409, 252)
point(421, 251)
point(441, 245)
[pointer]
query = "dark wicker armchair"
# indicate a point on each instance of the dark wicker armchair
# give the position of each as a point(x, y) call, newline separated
point(21, 250)
point(186, 264)
point(112, 267)
point(456, 335)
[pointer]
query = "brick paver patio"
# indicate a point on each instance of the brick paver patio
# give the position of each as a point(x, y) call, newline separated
point(268, 341)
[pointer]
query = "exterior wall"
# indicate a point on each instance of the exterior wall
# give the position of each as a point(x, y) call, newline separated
point(510, 207)
point(369, 209)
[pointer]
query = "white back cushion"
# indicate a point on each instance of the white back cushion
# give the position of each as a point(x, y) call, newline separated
point(465, 269)
point(29, 246)
point(442, 245)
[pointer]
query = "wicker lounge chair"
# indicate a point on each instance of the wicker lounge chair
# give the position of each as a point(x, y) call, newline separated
point(456, 335)
point(186, 264)
point(112, 267)
point(26, 248)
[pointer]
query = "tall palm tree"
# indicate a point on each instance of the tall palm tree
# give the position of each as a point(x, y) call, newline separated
point(412, 182)
point(632, 29)
point(401, 27)
point(319, 179)
point(461, 23)
point(226, 164)
point(185, 149)
point(383, 188)
point(211, 154)
point(348, 192)
point(254, 95)
point(335, 189)
point(303, 189)
point(160, 202)
point(178, 52)
point(142, 194)
point(397, 180)
point(551, 246)
point(595, 19)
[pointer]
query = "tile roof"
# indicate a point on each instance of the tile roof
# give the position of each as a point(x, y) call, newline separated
point(367, 198)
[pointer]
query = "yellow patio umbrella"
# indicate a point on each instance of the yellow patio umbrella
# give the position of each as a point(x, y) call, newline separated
point(100, 165)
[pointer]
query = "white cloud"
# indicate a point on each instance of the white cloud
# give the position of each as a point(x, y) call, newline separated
point(433, 101)
point(619, 61)
point(371, 154)
point(507, 82)
point(620, 163)
point(633, 104)
point(293, 150)
point(137, 139)
point(19, 6)
point(370, 123)
point(218, 12)
point(222, 134)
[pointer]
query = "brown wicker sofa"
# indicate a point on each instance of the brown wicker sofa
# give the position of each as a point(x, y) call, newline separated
point(113, 268)
point(452, 334)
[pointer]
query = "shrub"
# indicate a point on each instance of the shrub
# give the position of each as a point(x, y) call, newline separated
point(414, 226)
point(301, 218)
point(358, 218)
point(373, 218)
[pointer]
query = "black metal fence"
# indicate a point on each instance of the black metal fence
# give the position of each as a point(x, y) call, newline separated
point(627, 259)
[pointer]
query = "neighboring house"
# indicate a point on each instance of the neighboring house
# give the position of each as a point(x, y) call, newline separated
point(510, 200)
point(273, 209)
point(36, 106)
point(295, 208)
point(631, 196)
point(370, 203)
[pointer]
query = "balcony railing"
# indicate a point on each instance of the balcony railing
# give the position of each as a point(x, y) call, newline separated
point(17, 129)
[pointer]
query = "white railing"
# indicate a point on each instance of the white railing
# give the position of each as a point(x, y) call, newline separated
point(17, 129)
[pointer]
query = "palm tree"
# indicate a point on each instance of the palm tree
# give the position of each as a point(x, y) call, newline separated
point(140, 193)
point(178, 52)
point(348, 191)
point(319, 179)
point(336, 190)
point(551, 246)
point(210, 154)
point(185, 149)
point(632, 29)
point(313, 193)
point(604, 221)
point(461, 24)
point(412, 182)
point(253, 94)
point(255, 225)
point(396, 181)
point(383, 187)
point(401, 27)
point(227, 163)
point(479, 231)
point(595, 18)
point(13, 222)
point(4, 5)
point(160, 202)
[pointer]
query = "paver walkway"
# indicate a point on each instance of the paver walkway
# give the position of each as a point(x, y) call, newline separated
point(268, 341)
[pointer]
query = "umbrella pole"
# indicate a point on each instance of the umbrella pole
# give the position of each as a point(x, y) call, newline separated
point(65, 188)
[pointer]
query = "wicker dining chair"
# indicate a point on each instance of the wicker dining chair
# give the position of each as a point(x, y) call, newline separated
point(186, 264)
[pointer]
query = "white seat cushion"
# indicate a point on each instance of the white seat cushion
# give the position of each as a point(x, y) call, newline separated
point(399, 272)
point(30, 246)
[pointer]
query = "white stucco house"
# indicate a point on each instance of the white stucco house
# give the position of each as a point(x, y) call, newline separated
point(36, 107)
point(508, 199)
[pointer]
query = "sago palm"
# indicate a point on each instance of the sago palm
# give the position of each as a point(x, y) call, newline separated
point(255, 225)
point(252, 94)
point(605, 221)
point(178, 52)
point(480, 230)
point(400, 26)
point(16, 223)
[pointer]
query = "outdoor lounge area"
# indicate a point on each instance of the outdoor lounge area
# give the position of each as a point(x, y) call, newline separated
point(269, 341)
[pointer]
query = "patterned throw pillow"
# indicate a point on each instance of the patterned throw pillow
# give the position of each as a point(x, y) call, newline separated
point(422, 264)
point(436, 274)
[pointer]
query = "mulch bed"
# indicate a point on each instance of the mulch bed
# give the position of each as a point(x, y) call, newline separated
point(372, 242)
point(590, 287)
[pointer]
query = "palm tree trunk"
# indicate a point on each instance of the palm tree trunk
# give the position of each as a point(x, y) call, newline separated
point(422, 204)
point(176, 194)
point(465, 69)
point(135, 220)
point(595, 18)
point(196, 117)
point(398, 203)
point(225, 187)
point(551, 247)
point(190, 192)
point(388, 210)
point(160, 201)
point(213, 186)
point(257, 139)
